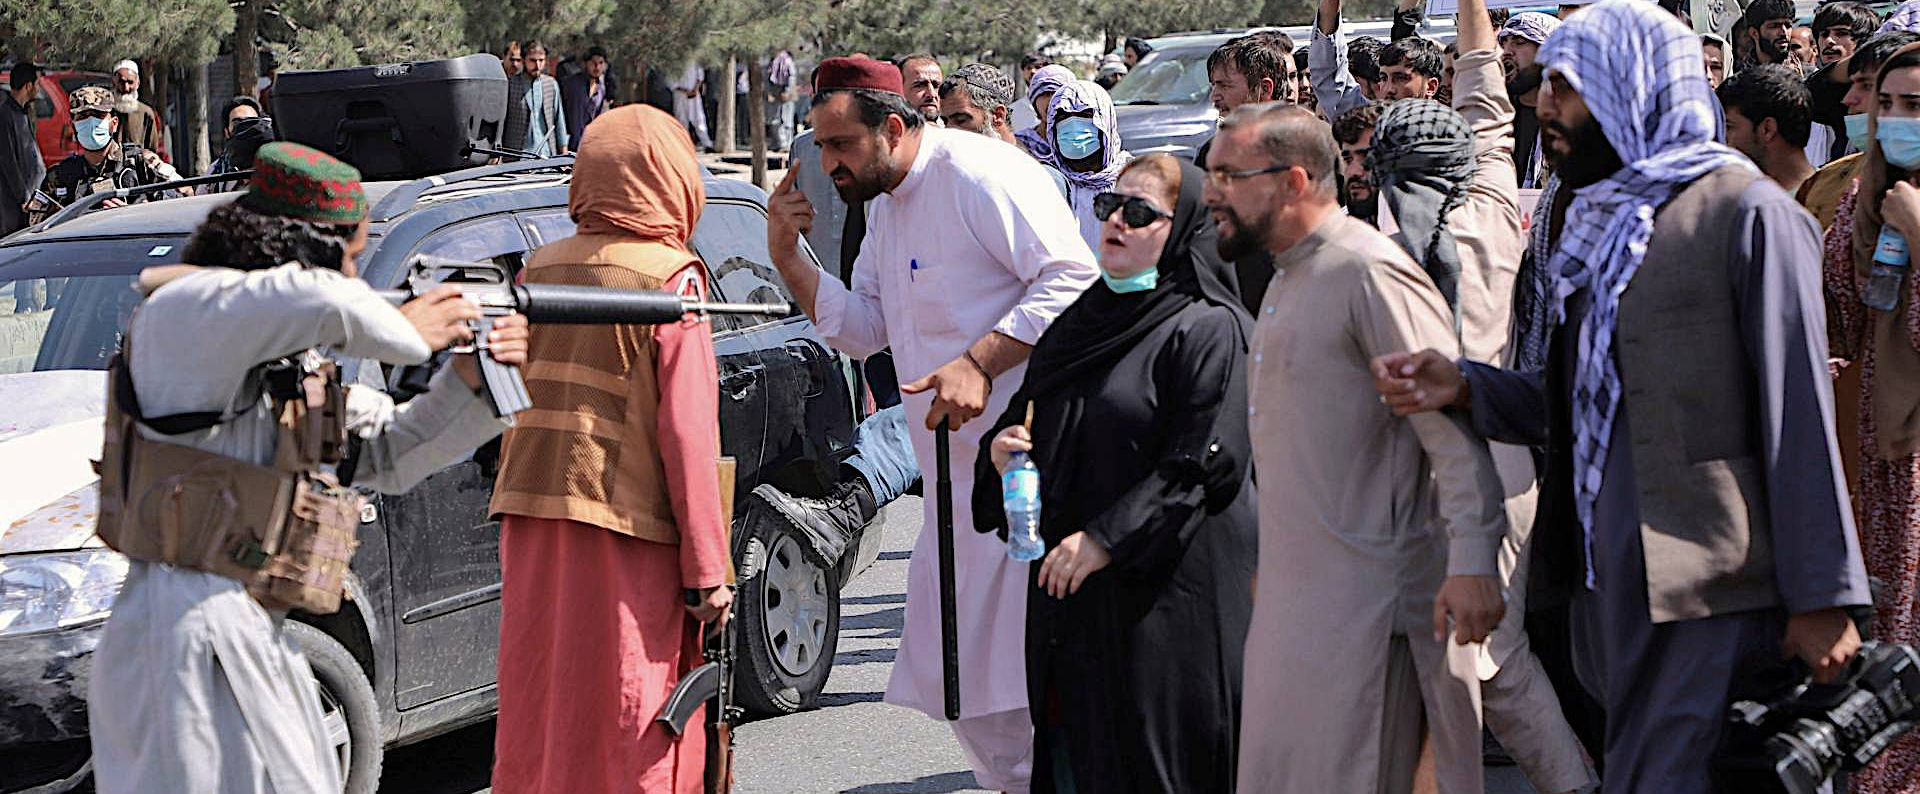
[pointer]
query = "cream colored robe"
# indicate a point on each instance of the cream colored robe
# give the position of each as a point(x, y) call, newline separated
point(1362, 515)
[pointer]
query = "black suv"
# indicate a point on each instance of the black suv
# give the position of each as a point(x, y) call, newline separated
point(412, 653)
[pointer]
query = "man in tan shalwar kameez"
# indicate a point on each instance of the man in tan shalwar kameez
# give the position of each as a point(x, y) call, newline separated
point(1363, 518)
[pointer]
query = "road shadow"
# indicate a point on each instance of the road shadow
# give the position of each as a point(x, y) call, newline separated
point(888, 598)
point(868, 656)
point(895, 555)
point(930, 784)
point(878, 619)
point(456, 763)
point(831, 699)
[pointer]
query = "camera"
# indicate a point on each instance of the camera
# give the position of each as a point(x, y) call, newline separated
point(1792, 735)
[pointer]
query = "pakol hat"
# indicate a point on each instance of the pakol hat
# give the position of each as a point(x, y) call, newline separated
point(90, 97)
point(841, 73)
point(305, 183)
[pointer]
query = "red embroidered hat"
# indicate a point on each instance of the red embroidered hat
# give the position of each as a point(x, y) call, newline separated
point(837, 73)
point(305, 183)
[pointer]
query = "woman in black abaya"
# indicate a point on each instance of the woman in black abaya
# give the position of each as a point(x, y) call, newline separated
point(1139, 610)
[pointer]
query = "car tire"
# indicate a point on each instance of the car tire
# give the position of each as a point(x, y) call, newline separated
point(789, 613)
point(348, 710)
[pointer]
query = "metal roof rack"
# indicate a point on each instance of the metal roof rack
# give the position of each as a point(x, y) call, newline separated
point(402, 198)
point(86, 203)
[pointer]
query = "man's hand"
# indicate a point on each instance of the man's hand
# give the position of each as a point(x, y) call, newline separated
point(960, 392)
point(1070, 563)
point(715, 604)
point(1412, 383)
point(1826, 640)
point(441, 317)
point(789, 215)
point(506, 343)
point(1475, 605)
point(112, 203)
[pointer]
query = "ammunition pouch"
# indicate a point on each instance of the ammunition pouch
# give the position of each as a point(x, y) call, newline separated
point(287, 532)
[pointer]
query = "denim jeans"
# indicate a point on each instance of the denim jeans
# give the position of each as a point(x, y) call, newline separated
point(884, 455)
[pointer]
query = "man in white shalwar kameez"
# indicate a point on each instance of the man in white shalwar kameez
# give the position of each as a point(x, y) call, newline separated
point(969, 255)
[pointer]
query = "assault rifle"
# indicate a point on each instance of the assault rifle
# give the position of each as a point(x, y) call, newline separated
point(710, 684)
point(488, 286)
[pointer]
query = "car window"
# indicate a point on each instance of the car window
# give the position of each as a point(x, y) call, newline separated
point(1169, 78)
point(495, 238)
point(62, 323)
point(547, 226)
point(42, 106)
point(732, 238)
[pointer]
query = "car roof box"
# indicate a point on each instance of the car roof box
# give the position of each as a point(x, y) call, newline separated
point(397, 121)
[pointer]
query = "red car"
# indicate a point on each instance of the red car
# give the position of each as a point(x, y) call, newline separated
point(53, 124)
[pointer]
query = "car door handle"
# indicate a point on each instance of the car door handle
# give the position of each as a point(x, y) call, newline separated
point(737, 384)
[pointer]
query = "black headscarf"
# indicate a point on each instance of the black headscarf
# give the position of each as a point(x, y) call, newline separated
point(1097, 330)
point(1103, 325)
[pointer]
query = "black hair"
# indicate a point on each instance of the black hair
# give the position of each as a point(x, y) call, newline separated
point(24, 72)
point(1257, 56)
point(1034, 60)
point(1300, 58)
point(1348, 127)
point(874, 106)
point(226, 111)
point(1363, 58)
point(1771, 91)
point(597, 51)
point(1139, 47)
point(1869, 56)
point(1856, 17)
point(530, 45)
point(1420, 56)
point(1499, 17)
point(1761, 12)
point(237, 236)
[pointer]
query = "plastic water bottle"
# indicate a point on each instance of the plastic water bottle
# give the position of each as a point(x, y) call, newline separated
point(1020, 494)
point(1889, 270)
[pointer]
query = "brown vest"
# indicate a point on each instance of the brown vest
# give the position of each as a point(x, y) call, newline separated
point(587, 451)
point(1694, 404)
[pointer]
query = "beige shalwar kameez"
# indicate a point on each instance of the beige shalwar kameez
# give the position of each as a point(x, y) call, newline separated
point(1362, 515)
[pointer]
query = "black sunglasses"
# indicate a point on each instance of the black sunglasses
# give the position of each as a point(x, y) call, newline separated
point(1138, 213)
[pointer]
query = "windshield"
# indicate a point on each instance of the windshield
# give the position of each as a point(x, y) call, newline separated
point(63, 304)
point(1176, 77)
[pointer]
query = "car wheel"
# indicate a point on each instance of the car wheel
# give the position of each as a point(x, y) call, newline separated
point(349, 714)
point(789, 613)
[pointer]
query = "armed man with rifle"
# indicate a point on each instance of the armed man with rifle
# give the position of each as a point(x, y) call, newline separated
point(103, 163)
point(614, 499)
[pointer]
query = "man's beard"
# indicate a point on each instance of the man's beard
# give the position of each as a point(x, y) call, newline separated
point(1590, 157)
point(1367, 207)
point(1246, 238)
point(868, 183)
point(1774, 49)
point(1524, 80)
point(126, 103)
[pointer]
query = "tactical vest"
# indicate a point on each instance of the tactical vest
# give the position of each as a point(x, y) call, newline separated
point(286, 531)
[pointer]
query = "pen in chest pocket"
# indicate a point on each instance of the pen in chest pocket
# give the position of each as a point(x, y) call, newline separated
point(913, 269)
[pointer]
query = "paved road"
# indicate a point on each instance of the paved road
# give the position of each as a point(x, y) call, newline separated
point(853, 744)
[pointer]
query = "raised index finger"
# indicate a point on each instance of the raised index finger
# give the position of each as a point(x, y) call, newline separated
point(786, 182)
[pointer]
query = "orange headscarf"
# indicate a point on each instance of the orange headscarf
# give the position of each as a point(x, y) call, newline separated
point(636, 174)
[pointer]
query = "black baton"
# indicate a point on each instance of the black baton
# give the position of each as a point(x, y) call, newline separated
point(949, 624)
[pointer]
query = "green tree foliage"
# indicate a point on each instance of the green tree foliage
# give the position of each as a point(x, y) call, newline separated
point(99, 32)
point(995, 30)
point(325, 34)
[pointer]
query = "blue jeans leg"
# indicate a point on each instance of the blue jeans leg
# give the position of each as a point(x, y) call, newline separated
point(884, 455)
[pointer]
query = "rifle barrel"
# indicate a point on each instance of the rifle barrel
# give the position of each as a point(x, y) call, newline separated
point(567, 304)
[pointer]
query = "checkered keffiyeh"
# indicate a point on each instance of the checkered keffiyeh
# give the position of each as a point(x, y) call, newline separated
point(1048, 80)
point(1533, 26)
point(1422, 159)
point(1643, 78)
point(1906, 17)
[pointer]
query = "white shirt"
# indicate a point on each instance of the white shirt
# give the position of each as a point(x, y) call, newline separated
point(976, 239)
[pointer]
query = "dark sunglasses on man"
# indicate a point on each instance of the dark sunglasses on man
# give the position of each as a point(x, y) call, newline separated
point(1136, 212)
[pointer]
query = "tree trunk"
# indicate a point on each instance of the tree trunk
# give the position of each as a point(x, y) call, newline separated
point(725, 128)
point(160, 91)
point(757, 118)
point(634, 89)
point(246, 60)
point(200, 159)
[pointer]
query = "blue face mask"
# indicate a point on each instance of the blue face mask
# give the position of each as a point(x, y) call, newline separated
point(1857, 131)
point(1077, 138)
point(1138, 282)
point(93, 133)
point(1900, 141)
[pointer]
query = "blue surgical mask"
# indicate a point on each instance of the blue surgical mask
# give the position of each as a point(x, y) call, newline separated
point(1077, 138)
point(1900, 141)
point(1857, 131)
point(93, 133)
point(1138, 282)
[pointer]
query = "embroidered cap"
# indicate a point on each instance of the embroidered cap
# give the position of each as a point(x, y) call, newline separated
point(305, 183)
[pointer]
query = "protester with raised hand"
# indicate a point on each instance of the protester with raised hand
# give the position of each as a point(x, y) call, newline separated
point(1650, 471)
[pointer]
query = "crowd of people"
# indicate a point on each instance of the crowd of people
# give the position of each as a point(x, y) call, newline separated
point(1541, 384)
